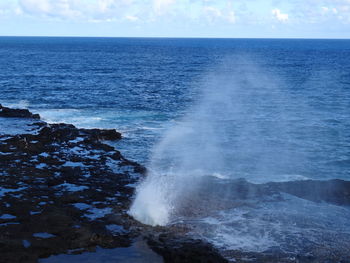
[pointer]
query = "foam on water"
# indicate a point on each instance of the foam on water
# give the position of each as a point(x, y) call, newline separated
point(291, 225)
point(280, 178)
point(73, 116)
point(21, 104)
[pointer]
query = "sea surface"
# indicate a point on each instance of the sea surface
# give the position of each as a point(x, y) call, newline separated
point(289, 114)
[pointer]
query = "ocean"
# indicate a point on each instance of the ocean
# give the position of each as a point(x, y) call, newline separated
point(279, 110)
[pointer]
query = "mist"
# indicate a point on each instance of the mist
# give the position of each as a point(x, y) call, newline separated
point(242, 126)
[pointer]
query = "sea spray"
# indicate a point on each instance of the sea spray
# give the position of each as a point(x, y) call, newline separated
point(238, 128)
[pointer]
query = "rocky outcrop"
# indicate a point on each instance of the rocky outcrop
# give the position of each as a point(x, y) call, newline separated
point(179, 249)
point(17, 113)
point(62, 189)
point(102, 134)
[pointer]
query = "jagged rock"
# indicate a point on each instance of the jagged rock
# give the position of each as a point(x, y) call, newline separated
point(58, 132)
point(17, 113)
point(178, 249)
point(102, 134)
point(61, 181)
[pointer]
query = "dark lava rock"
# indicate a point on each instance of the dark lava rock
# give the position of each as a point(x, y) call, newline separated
point(58, 132)
point(59, 186)
point(102, 134)
point(179, 249)
point(17, 113)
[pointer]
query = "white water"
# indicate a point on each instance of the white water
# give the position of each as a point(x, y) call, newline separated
point(235, 130)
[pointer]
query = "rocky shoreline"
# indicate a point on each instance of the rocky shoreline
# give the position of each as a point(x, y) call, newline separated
point(65, 191)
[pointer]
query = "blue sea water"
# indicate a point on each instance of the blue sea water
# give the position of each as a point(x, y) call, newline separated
point(288, 116)
point(143, 86)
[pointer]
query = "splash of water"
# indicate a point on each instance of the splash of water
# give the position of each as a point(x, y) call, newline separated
point(237, 129)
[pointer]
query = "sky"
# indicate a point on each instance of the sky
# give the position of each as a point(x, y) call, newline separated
point(177, 18)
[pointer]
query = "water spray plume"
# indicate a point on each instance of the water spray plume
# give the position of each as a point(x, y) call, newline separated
point(223, 135)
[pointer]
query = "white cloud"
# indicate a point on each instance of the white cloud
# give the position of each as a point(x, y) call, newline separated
point(279, 15)
point(336, 10)
point(8, 8)
point(35, 6)
point(82, 10)
point(131, 18)
point(199, 12)
point(328, 10)
point(320, 12)
point(231, 17)
point(213, 13)
point(104, 5)
point(325, 9)
point(161, 7)
point(97, 11)
point(50, 8)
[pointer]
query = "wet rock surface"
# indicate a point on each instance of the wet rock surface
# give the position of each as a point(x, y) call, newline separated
point(177, 249)
point(65, 191)
point(17, 113)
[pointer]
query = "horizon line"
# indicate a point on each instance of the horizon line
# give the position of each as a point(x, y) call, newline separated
point(176, 37)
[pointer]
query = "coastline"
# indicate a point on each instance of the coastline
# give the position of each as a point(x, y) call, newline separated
point(65, 191)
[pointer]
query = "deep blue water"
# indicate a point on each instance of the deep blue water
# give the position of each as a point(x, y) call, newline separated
point(143, 86)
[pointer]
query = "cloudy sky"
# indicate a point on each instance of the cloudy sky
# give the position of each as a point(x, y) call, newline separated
point(176, 18)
